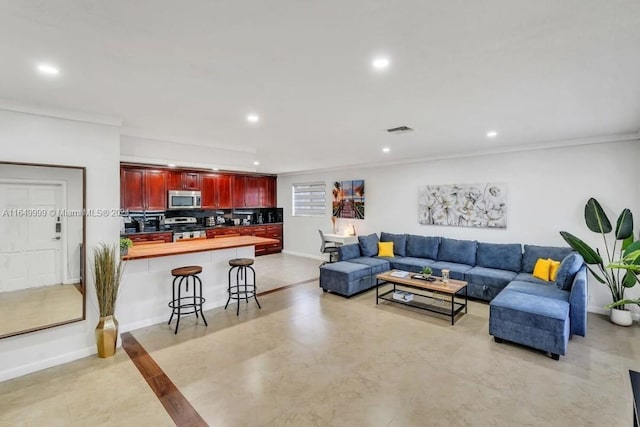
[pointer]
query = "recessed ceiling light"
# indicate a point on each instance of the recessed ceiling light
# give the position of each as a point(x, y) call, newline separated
point(380, 63)
point(256, 163)
point(48, 69)
point(386, 149)
point(253, 118)
point(171, 165)
point(215, 169)
point(492, 134)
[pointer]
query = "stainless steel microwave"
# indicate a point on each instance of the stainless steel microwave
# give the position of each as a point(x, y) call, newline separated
point(185, 200)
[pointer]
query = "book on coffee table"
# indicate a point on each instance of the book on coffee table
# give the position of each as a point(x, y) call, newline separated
point(399, 273)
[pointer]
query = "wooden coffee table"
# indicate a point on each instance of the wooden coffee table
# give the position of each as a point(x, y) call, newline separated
point(430, 294)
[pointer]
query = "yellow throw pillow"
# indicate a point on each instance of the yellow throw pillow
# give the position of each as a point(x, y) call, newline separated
point(553, 269)
point(541, 269)
point(385, 249)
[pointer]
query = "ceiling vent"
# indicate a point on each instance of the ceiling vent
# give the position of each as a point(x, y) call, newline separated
point(400, 129)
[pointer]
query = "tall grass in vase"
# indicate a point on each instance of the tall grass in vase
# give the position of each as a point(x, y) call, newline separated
point(107, 273)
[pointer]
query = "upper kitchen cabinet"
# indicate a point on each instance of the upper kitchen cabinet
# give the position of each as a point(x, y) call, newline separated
point(216, 191)
point(179, 180)
point(143, 189)
point(254, 191)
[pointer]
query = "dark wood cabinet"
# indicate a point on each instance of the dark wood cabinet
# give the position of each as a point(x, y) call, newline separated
point(191, 181)
point(165, 237)
point(155, 190)
point(143, 189)
point(216, 191)
point(179, 180)
point(132, 189)
point(238, 196)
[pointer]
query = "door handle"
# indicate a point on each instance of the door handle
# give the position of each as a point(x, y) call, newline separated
point(56, 238)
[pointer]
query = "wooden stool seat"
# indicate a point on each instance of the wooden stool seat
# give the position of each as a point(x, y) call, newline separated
point(242, 289)
point(241, 262)
point(183, 304)
point(186, 271)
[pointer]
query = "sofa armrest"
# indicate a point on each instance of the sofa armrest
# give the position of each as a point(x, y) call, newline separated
point(578, 303)
point(346, 252)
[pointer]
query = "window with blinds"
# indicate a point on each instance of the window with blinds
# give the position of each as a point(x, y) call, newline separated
point(309, 199)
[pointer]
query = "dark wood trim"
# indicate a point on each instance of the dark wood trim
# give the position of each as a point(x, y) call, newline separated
point(174, 402)
point(270, 291)
point(194, 169)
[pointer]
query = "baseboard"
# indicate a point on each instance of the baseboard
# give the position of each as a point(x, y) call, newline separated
point(605, 311)
point(47, 363)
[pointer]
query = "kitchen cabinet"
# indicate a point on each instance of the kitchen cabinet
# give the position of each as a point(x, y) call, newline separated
point(179, 180)
point(274, 231)
point(216, 191)
point(132, 189)
point(165, 237)
point(270, 199)
point(254, 192)
point(143, 189)
point(222, 231)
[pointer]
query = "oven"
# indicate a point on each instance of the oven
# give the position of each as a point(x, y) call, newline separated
point(184, 200)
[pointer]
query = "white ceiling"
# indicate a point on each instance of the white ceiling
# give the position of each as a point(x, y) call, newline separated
point(540, 71)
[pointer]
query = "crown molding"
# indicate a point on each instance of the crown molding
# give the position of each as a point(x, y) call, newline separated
point(607, 139)
point(154, 161)
point(59, 113)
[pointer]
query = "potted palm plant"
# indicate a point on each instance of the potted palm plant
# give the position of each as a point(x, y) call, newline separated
point(107, 274)
point(618, 276)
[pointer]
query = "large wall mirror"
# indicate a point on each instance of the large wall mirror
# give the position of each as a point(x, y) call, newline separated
point(42, 247)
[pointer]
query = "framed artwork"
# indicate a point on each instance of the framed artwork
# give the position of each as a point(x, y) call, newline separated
point(463, 205)
point(348, 199)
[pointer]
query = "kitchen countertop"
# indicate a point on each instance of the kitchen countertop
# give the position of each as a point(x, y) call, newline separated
point(190, 246)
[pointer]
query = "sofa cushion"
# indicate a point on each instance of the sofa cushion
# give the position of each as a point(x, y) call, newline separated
point(502, 256)
point(346, 252)
point(458, 251)
point(399, 242)
point(369, 244)
point(547, 314)
point(532, 253)
point(538, 289)
point(456, 271)
point(489, 276)
point(422, 246)
point(385, 249)
point(568, 269)
point(412, 264)
point(377, 265)
point(542, 269)
point(528, 277)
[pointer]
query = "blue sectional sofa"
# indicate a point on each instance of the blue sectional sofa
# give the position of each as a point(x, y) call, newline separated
point(523, 309)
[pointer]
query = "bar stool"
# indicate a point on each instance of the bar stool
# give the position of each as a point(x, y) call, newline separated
point(188, 304)
point(242, 290)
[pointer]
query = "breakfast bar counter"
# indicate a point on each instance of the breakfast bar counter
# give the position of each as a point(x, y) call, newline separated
point(146, 286)
point(153, 250)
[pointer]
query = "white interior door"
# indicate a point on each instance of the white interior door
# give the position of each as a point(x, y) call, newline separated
point(31, 244)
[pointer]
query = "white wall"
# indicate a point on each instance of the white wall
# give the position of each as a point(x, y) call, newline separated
point(547, 190)
point(38, 139)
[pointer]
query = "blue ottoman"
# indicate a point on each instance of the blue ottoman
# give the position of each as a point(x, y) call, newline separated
point(532, 320)
point(346, 278)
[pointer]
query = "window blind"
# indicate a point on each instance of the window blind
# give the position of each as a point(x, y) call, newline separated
point(309, 199)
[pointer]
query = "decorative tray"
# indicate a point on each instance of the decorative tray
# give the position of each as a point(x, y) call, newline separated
point(421, 277)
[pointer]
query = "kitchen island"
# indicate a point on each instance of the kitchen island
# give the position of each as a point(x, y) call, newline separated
point(146, 286)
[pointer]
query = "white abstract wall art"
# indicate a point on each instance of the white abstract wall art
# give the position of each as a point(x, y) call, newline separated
point(463, 205)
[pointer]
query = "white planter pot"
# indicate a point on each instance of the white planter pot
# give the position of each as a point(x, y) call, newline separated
point(621, 317)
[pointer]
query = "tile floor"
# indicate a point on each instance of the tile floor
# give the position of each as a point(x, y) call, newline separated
point(314, 359)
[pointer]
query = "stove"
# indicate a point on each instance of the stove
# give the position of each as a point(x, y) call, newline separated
point(185, 228)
